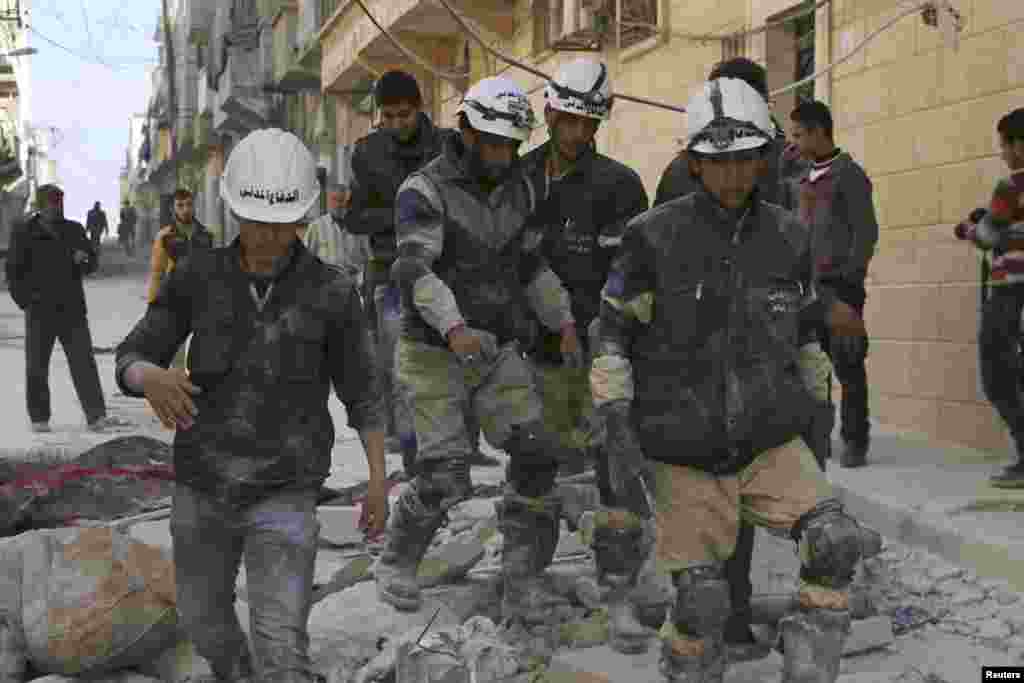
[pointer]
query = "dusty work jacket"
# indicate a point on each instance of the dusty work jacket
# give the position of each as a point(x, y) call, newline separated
point(471, 256)
point(698, 331)
point(265, 367)
point(583, 215)
point(379, 165)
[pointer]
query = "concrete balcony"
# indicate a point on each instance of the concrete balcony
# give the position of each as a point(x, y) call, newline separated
point(241, 104)
point(289, 74)
point(199, 15)
point(352, 46)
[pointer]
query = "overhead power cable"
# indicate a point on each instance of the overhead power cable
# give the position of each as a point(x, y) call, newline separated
point(941, 8)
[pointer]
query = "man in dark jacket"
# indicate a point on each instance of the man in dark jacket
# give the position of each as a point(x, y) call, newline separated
point(836, 204)
point(96, 224)
point(49, 255)
point(405, 141)
point(585, 200)
point(274, 327)
point(473, 283)
point(697, 370)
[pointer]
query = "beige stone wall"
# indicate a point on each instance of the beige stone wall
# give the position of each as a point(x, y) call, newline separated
point(922, 119)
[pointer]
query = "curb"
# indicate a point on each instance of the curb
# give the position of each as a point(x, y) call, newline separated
point(989, 555)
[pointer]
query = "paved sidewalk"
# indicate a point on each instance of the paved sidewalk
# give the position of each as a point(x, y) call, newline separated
point(936, 496)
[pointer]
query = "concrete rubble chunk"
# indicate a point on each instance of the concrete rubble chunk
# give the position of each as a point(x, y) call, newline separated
point(339, 524)
point(450, 562)
point(868, 634)
point(968, 595)
point(994, 630)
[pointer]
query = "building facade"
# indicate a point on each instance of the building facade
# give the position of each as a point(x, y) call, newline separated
point(17, 152)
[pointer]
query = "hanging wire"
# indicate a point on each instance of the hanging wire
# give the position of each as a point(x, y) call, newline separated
point(451, 76)
point(934, 5)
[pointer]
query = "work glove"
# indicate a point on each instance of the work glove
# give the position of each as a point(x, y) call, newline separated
point(472, 346)
point(626, 464)
point(572, 350)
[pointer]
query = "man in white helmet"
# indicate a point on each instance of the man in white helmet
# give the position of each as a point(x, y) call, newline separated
point(273, 327)
point(472, 281)
point(585, 200)
point(696, 370)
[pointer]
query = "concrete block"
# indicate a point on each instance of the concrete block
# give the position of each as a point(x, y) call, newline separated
point(869, 634)
point(451, 561)
point(339, 524)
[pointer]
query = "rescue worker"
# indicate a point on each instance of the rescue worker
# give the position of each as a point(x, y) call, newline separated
point(835, 203)
point(696, 369)
point(1000, 231)
point(176, 242)
point(472, 279)
point(584, 201)
point(96, 224)
point(405, 140)
point(782, 164)
point(274, 328)
point(777, 184)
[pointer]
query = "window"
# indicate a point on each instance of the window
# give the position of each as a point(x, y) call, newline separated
point(639, 21)
point(789, 48)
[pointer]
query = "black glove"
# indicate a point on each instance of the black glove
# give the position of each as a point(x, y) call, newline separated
point(977, 215)
point(625, 460)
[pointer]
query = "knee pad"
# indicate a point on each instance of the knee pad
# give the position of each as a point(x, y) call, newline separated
point(535, 456)
point(831, 545)
point(439, 484)
point(702, 605)
point(619, 551)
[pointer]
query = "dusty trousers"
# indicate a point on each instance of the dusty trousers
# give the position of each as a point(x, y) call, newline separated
point(277, 538)
point(999, 355)
point(43, 327)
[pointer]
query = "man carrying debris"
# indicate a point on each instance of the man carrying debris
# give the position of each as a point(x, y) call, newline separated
point(697, 370)
point(405, 141)
point(1000, 229)
point(273, 328)
point(836, 204)
point(472, 279)
point(584, 200)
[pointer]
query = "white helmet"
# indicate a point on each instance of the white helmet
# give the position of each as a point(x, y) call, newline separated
point(497, 105)
point(581, 87)
point(270, 177)
point(728, 115)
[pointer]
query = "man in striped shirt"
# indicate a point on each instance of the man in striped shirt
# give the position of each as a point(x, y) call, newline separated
point(329, 240)
point(1000, 229)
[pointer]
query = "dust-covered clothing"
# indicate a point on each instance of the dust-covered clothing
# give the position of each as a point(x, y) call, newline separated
point(698, 331)
point(467, 257)
point(265, 351)
point(174, 243)
point(698, 514)
point(1000, 232)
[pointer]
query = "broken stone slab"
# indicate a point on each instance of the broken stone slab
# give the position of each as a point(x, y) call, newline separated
point(868, 634)
point(339, 524)
point(119, 677)
point(473, 651)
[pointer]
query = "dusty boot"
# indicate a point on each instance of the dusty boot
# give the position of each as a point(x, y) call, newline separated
point(854, 454)
point(619, 555)
point(412, 528)
point(684, 660)
point(531, 528)
point(811, 642)
point(1012, 476)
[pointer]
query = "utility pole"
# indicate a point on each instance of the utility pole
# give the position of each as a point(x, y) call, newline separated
point(172, 99)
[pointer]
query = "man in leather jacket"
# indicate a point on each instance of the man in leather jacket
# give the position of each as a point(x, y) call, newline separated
point(696, 369)
point(405, 141)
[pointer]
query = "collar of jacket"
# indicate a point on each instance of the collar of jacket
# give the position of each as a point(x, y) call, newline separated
point(726, 220)
point(296, 258)
point(535, 162)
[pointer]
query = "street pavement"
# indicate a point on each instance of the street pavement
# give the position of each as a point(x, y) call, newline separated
point(953, 552)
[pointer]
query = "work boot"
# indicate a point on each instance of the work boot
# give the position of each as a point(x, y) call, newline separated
point(109, 422)
point(1012, 477)
point(619, 555)
point(685, 660)
point(411, 530)
point(41, 427)
point(854, 454)
point(811, 642)
point(530, 527)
